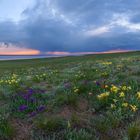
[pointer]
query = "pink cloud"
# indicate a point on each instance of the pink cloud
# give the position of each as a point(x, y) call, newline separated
point(83, 53)
point(58, 53)
point(14, 50)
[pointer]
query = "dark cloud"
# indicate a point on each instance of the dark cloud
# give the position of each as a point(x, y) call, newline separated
point(76, 25)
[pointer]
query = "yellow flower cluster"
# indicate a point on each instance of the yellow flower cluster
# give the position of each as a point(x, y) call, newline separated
point(114, 89)
point(133, 108)
point(125, 88)
point(76, 90)
point(121, 92)
point(114, 100)
point(79, 74)
point(40, 76)
point(138, 95)
point(107, 63)
point(103, 95)
point(104, 74)
point(122, 95)
point(13, 80)
point(124, 104)
point(113, 106)
point(106, 86)
point(119, 67)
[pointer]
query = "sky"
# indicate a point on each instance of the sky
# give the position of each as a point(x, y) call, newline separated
point(65, 27)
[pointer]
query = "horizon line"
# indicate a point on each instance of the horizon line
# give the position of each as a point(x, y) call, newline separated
point(61, 53)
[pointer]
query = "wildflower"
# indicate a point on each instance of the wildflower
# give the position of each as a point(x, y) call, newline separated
point(32, 100)
point(44, 74)
point(119, 66)
point(106, 86)
point(76, 90)
point(32, 114)
point(23, 107)
point(114, 100)
point(30, 91)
point(122, 94)
point(107, 63)
point(103, 95)
point(90, 93)
point(138, 95)
point(133, 108)
point(129, 88)
point(125, 88)
point(104, 74)
point(124, 104)
point(97, 83)
point(41, 108)
point(113, 106)
point(114, 89)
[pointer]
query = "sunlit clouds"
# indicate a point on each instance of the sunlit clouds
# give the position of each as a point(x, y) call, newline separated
point(124, 20)
point(84, 53)
point(97, 31)
point(9, 49)
point(70, 26)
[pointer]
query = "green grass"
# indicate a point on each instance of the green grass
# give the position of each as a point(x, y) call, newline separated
point(71, 98)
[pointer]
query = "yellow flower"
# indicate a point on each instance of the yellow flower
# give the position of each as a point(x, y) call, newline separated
point(114, 100)
point(138, 95)
point(114, 89)
point(113, 106)
point(129, 88)
point(103, 95)
point(125, 88)
point(104, 74)
point(133, 108)
point(106, 86)
point(76, 90)
point(107, 63)
point(90, 93)
point(124, 104)
point(122, 94)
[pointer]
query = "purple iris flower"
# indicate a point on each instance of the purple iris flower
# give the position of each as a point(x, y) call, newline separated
point(32, 114)
point(26, 96)
point(41, 108)
point(98, 83)
point(30, 91)
point(32, 100)
point(23, 107)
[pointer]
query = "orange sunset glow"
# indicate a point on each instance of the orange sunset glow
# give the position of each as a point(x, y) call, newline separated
point(13, 50)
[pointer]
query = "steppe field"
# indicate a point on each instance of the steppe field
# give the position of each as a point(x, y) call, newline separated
point(91, 97)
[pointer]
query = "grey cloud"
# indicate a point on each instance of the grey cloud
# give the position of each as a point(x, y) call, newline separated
point(59, 25)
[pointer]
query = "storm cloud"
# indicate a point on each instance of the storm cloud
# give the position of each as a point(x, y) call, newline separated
point(76, 26)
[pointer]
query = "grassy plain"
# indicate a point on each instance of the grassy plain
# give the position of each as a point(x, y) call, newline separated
point(92, 97)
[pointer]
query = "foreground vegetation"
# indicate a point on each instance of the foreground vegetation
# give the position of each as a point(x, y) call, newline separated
point(93, 97)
